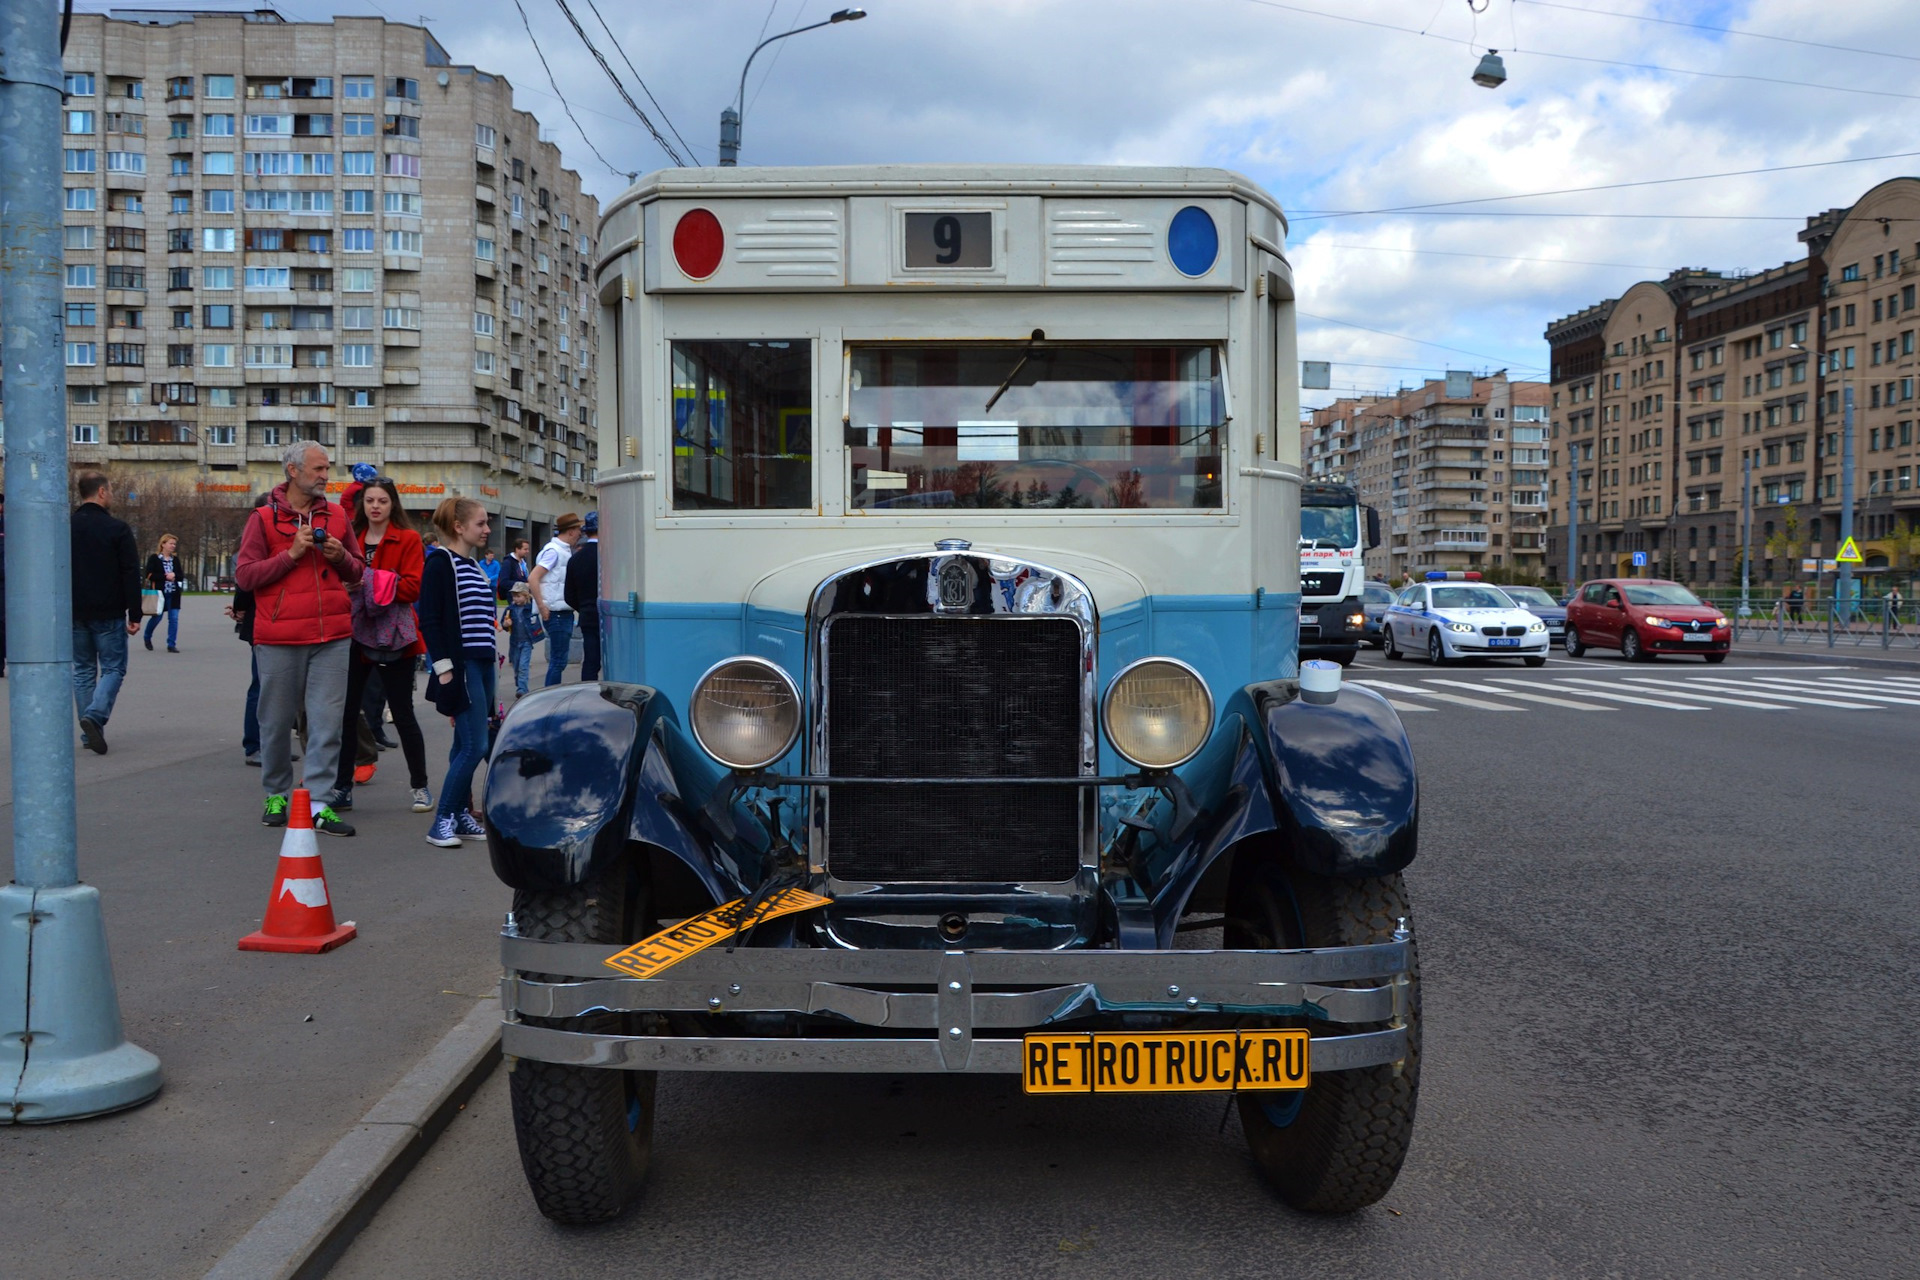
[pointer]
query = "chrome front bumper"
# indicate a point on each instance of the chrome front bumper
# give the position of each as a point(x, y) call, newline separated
point(944, 1010)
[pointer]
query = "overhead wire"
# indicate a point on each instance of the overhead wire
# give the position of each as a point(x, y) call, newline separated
point(567, 106)
point(1576, 57)
point(773, 61)
point(1387, 333)
point(1491, 257)
point(619, 88)
point(671, 127)
point(1731, 31)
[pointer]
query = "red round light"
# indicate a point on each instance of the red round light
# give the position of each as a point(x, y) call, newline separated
point(697, 243)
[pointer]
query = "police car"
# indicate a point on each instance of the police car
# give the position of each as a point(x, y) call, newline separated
point(1455, 615)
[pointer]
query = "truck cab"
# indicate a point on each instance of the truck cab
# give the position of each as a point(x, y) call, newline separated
point(1336, 532)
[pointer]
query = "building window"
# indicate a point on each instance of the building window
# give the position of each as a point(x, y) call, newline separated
point(1850, 272)
point(216, 277)
point(219, 316)
point(402, 127)
point(356, 125)
point(80, 161)
point(77, 237)
point(401, 318)
point(216, 125)
point(357, 355)
point(356, 317)
point(360, 398)
point(269, 278)
point(482, 324)
point(359, 87)
point(216, 239)
point(79, 122)
point(483, 136)
point(483, 362)
point(219, 86)
point(216, 355)
point(356, 240)
point(399, 166)
point(360, 437)
point(483, 250)
point(217, 163)
point(80, 199)
point(85, 432)
point(357, 163)
point(268, 355)
point(357, 200)
point(406, 242)
point(220, 435)
point(269, 126)
point(79, 84)
point(402, 88)
point(402, 204)
point(81, 354)
point(80, 313)
point(358, 280)
point(126, 353)
point(218, 200)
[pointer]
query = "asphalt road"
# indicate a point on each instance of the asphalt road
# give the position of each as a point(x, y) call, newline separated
point(1668, 957)
point(268, 1059)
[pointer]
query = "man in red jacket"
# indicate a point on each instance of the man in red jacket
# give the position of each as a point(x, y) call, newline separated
point(299, 557)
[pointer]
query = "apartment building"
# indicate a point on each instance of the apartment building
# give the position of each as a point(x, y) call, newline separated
point(282, 230)
point(1457, 473)
point(1689, 405)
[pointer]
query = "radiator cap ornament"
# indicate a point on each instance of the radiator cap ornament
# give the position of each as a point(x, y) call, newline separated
point(952, 544)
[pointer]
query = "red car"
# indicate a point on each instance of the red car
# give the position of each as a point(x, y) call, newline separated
point(1642, 617)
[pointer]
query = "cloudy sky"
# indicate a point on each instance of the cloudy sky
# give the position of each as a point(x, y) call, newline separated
point(1335, 106)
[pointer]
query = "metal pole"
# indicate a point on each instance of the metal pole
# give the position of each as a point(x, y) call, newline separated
point(1746, 532)
point(62, 1050)
point(1843, 584)
point(1573, 513)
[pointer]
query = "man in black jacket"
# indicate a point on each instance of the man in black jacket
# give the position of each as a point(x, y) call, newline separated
point(582, 593)
point(106, 606)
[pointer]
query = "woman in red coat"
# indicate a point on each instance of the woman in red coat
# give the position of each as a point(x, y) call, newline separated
point(385, 634)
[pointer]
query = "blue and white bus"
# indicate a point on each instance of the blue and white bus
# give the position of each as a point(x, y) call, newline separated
point(950, 596)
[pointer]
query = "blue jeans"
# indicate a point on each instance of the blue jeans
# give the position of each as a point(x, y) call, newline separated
point(99, 667)
point(250, 725)
point(559, 640)
point(173, 627)
point(469, 737)
point(519, 648)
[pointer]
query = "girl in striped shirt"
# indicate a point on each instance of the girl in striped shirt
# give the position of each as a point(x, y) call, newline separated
point(456, 621)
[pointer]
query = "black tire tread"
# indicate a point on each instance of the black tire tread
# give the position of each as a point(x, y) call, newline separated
point(581, 1162)
point(1346, 1148)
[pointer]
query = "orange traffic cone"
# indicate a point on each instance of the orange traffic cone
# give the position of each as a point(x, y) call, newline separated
point(299, 913)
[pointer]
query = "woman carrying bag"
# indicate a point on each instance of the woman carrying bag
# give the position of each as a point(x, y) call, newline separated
point(385, 635)
point(457, 623)
point(163, 587)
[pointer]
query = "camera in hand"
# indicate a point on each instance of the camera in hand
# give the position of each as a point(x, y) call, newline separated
point(319, 534)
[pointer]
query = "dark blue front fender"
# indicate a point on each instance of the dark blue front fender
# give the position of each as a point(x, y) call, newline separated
point(581, 773)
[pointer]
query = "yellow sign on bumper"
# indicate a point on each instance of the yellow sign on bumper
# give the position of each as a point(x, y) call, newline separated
point(1165, 1061)
point(670, 946)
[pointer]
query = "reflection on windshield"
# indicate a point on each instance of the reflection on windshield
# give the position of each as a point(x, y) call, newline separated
point(1532, 598)
point(1470, 598)
point(1662, 593)
point(1077, 427)
point(1338, 526)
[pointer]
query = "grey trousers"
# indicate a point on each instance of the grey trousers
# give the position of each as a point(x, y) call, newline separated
point(292, 677)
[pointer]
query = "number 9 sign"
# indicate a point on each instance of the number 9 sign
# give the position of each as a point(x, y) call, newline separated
point(950, 241)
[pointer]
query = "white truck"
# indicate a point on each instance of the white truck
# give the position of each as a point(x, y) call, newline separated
point(1333, 569)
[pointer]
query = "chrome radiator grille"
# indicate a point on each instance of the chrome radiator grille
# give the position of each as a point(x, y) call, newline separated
point(942, 697)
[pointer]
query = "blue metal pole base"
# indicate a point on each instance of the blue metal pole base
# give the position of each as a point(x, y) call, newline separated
point(63, 1052)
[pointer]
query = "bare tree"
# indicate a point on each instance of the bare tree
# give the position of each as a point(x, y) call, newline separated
point(208, 523)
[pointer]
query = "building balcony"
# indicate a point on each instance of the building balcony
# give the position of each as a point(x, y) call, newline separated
point(484, 194)
point(393, 377)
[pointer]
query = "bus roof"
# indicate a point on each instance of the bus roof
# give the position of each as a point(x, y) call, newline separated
point(1008, 179)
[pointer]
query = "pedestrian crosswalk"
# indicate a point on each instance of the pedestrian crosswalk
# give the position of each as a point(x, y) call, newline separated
point(1766, 689)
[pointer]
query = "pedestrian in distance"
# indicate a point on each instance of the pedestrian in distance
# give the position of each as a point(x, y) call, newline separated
point(457, 623)
point(165, 575)
point(106, 606)
point(513, 569)
point(549, 579)
point(490, 565)
point(240, 609)
point(299, 557)
point(1891, 602)
point(523, 632)
point(1796, 601)
point(582, 592)
point(386, 637)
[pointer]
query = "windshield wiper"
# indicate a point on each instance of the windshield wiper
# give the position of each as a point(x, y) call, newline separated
point(1039, 335)
point(1319, 542)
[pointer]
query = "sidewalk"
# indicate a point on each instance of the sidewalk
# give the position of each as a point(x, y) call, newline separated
point(268, 1059)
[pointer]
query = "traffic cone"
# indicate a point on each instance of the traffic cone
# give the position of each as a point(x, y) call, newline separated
point(299, 913)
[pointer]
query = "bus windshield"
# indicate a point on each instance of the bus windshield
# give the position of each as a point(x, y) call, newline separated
point(1036, 426)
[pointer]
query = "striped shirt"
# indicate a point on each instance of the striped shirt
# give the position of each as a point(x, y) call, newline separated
point(476, 603)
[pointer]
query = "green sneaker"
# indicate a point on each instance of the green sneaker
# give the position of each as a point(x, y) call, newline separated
point(327, 822)
point(276, 812)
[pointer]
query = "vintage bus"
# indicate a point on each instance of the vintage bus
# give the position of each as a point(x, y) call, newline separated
point(952, 718)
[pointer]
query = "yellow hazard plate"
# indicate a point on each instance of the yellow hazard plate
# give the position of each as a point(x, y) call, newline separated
point(1165, 1061)
point(670, 946)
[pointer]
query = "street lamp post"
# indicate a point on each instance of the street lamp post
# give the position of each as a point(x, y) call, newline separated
point(1573, 514)
point(730, 117)
point(1746, 531)
point(1843, 579)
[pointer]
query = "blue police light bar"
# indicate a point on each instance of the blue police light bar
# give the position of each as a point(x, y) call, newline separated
point(1453, 575)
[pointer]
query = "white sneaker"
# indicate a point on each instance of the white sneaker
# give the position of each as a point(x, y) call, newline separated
point(422, 802)
point(441, 833)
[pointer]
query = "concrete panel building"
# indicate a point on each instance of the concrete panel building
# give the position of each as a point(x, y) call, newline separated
point(327, 231)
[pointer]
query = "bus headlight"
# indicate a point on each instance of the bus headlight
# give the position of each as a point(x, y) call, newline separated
point(745, 713)
point(1158, 713)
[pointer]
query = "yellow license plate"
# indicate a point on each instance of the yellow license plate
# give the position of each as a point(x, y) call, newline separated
point(670, 946)
point(1165, 1061)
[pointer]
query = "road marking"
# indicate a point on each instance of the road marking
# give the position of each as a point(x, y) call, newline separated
point(1710, 697)
point(1735, 686)
point(1530, 697)
point(1845, 684)
point(1847, 691)
point(1464, 701)
point(1619, 697)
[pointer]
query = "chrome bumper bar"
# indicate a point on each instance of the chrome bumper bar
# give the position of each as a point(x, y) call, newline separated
point(936, 999)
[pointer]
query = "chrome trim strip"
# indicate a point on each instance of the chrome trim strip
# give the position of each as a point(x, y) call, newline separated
point(919, 1055)
point(1375, 960)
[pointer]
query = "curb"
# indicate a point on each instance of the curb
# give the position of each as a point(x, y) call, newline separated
point(1820, 654)
point(310, 1227)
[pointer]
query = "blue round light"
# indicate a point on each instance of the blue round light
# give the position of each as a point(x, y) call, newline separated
point(1192, 241)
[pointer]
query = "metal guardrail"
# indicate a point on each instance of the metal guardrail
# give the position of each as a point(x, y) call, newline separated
point(1866, 624)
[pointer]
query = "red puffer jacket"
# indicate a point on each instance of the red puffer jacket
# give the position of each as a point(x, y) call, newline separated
point(300, 601)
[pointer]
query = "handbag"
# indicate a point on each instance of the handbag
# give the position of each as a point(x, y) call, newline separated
point(383, 628)
point(152, 603)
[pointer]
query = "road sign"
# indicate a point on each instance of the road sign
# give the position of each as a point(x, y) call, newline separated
point(1316, 375)
point(1850, 553)
point(1819, 566)
point(1639, 559)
